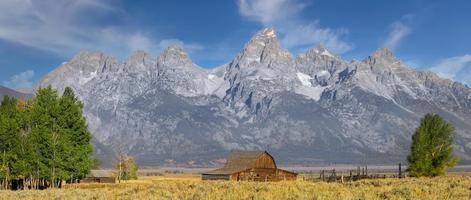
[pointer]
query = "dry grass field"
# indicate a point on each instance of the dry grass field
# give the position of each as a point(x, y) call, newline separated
point(191, 187)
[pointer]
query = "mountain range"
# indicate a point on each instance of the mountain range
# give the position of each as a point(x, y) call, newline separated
point(4, 91)
point(313, 108)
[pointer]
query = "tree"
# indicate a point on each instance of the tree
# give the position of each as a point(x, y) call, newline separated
point(125, 164)
point(127, 168)
point(51, 144)
point(74, 125)
point(131, 167)
point(21, 167)
point(432, 147)
point(9, 137)
point(43, 141)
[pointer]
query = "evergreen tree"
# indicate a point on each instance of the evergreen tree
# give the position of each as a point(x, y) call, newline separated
point(74, 125)
point(432, 147)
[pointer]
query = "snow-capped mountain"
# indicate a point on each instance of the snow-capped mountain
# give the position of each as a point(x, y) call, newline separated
point(312, 108)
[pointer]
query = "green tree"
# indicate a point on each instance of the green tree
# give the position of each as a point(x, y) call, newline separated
point(51, 145)
point(73, 124)
point(9, 137)
point(432, 147)
point(44, 140)
point(127, 168)
point(21, 167)
point(132, 168)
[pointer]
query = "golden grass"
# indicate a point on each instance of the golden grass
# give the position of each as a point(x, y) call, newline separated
point(191, 187)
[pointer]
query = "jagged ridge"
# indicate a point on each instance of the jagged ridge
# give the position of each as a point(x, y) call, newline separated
point(313, 108)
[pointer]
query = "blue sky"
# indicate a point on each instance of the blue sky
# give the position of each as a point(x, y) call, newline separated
point(36, 36)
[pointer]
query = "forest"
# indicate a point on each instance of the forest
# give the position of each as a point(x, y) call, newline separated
point(44, 141)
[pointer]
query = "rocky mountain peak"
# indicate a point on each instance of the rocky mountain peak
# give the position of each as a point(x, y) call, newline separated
point(322, 50)
point(383, 52)
point(266, 33)
point(138, 55)
point(382, 55)
point(82, 68)
point(319, 51)
point(87, 56)
point(84, 62)
point(174, 55)
point(263, 38)
point(139, 60)
point(263, 48)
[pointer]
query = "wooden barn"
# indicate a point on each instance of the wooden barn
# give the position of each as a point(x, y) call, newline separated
point(100, 176)
point(251, 166)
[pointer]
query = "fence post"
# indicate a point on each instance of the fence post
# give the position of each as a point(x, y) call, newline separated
point(366, 171)
point(358, 173)
point(400, 170)
point(334, 174)
point(322, 175)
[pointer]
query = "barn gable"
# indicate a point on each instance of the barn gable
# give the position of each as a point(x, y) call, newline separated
point(242, 165)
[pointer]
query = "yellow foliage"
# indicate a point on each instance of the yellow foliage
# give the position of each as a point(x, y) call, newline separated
point(191, 187)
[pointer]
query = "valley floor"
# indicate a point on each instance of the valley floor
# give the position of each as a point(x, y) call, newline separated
point(191, 187)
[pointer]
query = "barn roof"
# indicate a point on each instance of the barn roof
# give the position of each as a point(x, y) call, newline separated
point(100, 173)
point(238, 161)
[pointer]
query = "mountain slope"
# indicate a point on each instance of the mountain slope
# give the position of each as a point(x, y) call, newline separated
point(4, 91)
point(312, 108)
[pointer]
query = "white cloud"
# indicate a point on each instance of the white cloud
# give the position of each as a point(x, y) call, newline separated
point(269, 11)
point(284, 15)
point(68, 26)
point(21, 80)
point(398, 31)
point(457, 68)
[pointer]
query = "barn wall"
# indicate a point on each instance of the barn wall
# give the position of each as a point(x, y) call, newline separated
point(255, 174)
point(242, 175)
point(215, 177)
point(265, 161)
point(286, 175)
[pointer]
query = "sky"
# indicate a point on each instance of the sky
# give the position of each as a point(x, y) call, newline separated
point(36, 36)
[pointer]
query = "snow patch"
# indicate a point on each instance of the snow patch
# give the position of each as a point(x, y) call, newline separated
point(310, 92)
point(270, 33)
point(211, 76)
point(84, 80)
point(253, 60)
point(323, 52)
point(214, 85)
point(305, 79)
point(327, 53)
point(323, 73)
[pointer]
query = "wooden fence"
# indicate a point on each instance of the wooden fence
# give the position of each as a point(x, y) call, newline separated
point(352, 175)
